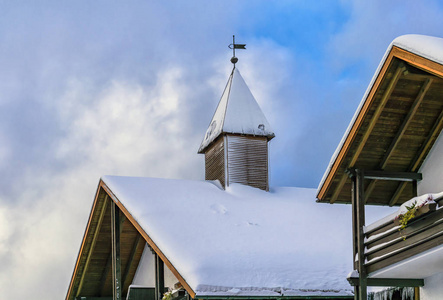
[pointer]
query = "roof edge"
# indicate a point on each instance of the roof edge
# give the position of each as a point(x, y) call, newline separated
point(108, 191)
point(147, 238)
point(80, 252)
point(401, 48)
point(340, 152)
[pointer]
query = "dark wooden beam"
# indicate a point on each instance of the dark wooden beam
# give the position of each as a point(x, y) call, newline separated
point(415, 188)
point(360, 204)
point(108, 266)
point(131, 259)
point(371, 125)
point(105, 273)
point(397, 176)
point(338, 189)
point(377, 113)
point(435, 131)
point(116, 259)
point(354, 223)
point(391, 282)
point(402, 129)
point(397, 193)
point(416, 76)
point(370, 188)
point(354, 227)
point(159, 278)
point(94, 241)
point(407, 120)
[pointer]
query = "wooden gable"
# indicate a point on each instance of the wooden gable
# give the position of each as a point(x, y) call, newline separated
point(93, 274)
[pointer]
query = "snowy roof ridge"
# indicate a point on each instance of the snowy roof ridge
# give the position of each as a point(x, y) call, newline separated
point(428, 47)
point(237, 112)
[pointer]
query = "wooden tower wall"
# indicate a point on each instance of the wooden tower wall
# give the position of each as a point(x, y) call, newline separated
point(238, 159)
point(215, 162)
point(247, 161)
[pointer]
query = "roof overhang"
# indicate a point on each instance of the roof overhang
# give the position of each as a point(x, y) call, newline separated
point(92, 275)
point(396, 125)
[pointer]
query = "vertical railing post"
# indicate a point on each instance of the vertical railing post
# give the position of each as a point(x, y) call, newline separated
point(360, 204)
point(159, 277)
point(116, 263)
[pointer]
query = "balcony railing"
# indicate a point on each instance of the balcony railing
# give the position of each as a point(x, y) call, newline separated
point(386, 243)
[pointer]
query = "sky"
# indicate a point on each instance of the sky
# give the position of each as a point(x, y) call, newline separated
point(89, 88)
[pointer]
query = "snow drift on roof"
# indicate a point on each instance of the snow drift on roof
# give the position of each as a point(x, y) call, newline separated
point(237, 112)
point(243, 237)
point(426, 46)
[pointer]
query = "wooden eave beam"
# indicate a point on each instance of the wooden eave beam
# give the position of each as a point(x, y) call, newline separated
point(397, 176)
point(391, 282)
point(370, 127)
point(131, 259)
point(72, 284)
point(148, 240)
point(418, 61)
point(94, 241)
point(424, 89)
point(105, 274)
point(407, 120)
point(415, 76)
point(435, 131)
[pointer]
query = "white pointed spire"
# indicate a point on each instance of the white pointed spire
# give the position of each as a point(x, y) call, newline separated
point(237, 112)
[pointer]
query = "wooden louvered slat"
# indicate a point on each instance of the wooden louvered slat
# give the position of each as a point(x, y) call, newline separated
point(248, 161)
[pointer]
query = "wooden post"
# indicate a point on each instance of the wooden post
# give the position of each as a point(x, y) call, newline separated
point(354, 229)
point(414, 188)
point(159, 277)
point(116, 263)
point(360, 205)
point(417, 293)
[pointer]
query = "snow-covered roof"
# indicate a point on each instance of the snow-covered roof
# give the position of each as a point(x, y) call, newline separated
point(242, 240)
point(237, 112)
point(428, 47)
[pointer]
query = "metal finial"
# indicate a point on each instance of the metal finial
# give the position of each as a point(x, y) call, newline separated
point(234, 46)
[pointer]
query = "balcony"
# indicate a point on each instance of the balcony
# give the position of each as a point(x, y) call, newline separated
point(408, 255)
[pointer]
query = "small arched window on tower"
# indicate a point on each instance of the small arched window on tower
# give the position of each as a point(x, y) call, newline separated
point(261, 127)
point(210, 129)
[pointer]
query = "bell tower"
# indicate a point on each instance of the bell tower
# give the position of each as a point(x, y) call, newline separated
point(236, 142)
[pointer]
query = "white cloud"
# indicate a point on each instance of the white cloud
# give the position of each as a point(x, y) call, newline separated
point(372, 25)
point(124, 129)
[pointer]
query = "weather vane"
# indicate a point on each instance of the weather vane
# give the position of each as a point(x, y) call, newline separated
point(234, 46)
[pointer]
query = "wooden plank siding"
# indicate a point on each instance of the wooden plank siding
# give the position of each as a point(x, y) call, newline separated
point(386, 244)
point(215, 161)
point(248, 160)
